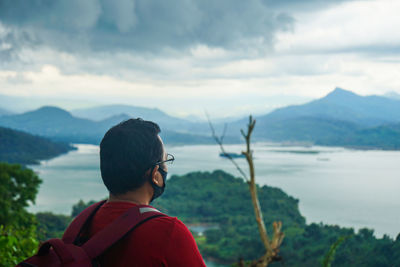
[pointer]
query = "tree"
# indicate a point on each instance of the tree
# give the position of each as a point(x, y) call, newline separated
point(51, 225)
point(18, 187)
point(17, 244)
point(80, 206)
point(330, 256)
point(271, 245)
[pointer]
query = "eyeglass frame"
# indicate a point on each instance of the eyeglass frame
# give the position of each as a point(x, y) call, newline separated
point(167, 160)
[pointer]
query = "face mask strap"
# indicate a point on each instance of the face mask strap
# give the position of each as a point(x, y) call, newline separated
point(158, 190)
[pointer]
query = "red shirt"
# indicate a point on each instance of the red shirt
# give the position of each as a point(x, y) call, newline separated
point(162, 241)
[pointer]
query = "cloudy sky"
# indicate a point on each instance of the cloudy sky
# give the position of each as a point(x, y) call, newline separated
point(229, 57)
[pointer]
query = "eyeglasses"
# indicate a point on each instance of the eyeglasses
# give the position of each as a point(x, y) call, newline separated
point(169, 160)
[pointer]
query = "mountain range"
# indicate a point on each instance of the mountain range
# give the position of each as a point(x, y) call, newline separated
point(341, 118)
point(170, 123)
point(103, 112)
point(60, 125)
point(343, 105)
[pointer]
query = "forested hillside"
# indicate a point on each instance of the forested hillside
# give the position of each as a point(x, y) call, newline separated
point(24, 148)
point(219, 198)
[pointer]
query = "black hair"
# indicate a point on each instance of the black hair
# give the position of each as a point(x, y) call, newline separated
point(127, 151)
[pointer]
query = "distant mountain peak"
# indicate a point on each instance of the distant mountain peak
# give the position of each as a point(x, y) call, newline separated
point(341, 92)
point(52, 110)
point(340, 95)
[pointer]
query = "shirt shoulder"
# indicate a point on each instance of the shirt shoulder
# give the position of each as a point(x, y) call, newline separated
point(182, 249)
point(160, 241)
point(165, 240)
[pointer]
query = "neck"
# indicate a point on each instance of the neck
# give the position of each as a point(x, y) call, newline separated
point(140, 196)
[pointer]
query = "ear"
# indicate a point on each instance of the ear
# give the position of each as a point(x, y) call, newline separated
point(155, 176)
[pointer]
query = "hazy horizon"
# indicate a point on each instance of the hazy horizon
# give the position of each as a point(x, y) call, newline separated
point(24, 104)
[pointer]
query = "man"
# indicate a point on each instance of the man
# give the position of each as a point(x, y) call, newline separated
point(134, 170)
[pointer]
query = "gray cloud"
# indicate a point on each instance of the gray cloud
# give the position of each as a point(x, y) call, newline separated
point(96, 30)
point(151, 25)
point(8, 45)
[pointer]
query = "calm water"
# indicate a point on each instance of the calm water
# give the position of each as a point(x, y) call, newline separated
point(335, 185)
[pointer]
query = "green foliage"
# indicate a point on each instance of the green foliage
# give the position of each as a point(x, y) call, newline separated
point(363, 249)
point(219, 198)
point(51, 225)
point(16, 244)
point(24, 148)
point(330, 256)
point(18, 186)
point(80, 206)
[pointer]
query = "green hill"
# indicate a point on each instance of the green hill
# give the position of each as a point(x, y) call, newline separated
point(24, 148)
point(215, 197)
point(221, 200)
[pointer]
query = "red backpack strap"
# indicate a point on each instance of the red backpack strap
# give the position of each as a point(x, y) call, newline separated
point(77, 225)
point(119, 228)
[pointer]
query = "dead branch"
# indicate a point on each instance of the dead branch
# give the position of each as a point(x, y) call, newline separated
point(219, 140)
point(271, 246)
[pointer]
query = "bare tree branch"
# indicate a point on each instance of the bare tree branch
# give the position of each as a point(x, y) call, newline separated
point(223, 133)
point(271, 246)
point(220, 143)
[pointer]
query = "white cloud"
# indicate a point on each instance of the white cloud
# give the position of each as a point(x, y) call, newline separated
point(352, 26)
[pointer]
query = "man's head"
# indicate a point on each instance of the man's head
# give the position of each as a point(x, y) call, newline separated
point(127, 152)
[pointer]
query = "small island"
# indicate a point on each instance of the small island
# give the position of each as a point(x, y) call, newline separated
point(232, 155)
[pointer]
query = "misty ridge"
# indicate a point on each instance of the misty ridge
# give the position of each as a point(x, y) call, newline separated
point(342, 118)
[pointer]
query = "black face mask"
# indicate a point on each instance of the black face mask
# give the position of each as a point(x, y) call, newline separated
point(158, 190)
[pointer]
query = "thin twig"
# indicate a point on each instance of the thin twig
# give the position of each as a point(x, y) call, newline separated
point(219, 142)
point(223, 133)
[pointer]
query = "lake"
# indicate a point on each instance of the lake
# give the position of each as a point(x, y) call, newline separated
point(340, 186)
